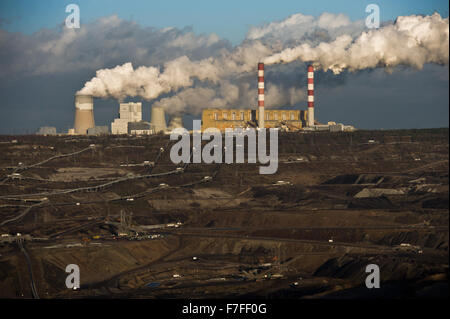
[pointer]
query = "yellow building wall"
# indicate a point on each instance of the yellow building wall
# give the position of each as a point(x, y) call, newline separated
point(234, 118)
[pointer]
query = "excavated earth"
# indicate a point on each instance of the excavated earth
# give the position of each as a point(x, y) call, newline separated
point(140, 226)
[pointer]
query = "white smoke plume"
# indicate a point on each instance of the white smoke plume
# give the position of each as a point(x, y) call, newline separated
point(149, 82)
point(411, 41)
point(330, 42)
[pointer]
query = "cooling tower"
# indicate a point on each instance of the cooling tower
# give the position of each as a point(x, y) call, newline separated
point(310, 96)
point(158, 120)
point(261, 95)
point(175, 122)
point(84, 113)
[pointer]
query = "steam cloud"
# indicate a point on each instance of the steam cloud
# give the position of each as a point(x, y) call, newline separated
point(411, 41)
point(331, 42)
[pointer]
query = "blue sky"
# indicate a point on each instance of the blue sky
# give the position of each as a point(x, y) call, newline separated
point(228, 19)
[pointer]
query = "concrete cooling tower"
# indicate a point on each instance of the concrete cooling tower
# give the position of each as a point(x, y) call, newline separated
point(84, 113)
point(158, 120)
point(175, 122)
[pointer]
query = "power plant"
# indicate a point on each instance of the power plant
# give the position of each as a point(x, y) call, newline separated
point(130, 121)
point(128, 113)
point(284, 119)
point(84, 114)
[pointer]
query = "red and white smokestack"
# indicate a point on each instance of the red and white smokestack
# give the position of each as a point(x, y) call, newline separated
point(261, 95)
point(310, 96)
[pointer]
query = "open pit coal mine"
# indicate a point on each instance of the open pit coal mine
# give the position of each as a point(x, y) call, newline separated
point(139, 226)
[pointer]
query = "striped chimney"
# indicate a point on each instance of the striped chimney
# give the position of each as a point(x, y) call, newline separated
point(261, 95)
point(310, 95)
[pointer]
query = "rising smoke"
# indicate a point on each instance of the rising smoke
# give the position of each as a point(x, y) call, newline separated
point(330, 44)
point(411, 41)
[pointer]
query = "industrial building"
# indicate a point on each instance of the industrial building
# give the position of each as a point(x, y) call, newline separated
point(289, 120)
point(128, 113)
point(239, 118)
point(285, 119)
point(140, 128)
point(130, 121)
point(46, 130)
point(98, 130)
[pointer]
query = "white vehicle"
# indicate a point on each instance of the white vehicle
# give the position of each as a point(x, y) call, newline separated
point(176, 276)
point(130, 199)
point(180, 169)
point(283, 183)
point(92, 145)
point(163, 185)
point(18, 234)
point(330, 240)
point(5, 235)
point(207, 178)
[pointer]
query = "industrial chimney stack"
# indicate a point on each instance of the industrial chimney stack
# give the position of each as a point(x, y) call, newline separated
point(310, 96)
point(84, 113)
point(261, 95)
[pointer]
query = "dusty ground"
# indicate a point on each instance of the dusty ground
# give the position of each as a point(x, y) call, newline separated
point(348, 203)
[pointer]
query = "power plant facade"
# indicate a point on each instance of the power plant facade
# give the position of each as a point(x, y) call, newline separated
point(130, 116)
point(84, 114)
point(238, 118)
point(128, 113)
point(130, 120)
point(285, 119)
point(289, 120)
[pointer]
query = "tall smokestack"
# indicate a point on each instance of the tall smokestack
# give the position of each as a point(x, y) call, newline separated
point(84, 113)
point(310, 96)
point(261, 95)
